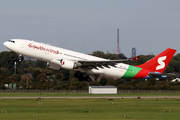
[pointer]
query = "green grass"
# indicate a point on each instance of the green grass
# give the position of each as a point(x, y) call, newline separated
point(84, 94)
point(90, 109)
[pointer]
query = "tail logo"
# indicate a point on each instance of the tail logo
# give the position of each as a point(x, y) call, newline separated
point(161, 63)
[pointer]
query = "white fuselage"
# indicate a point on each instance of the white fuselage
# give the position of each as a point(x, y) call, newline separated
point(47, 53)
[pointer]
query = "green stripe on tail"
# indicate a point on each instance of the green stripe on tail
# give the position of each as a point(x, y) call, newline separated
point(131, 72)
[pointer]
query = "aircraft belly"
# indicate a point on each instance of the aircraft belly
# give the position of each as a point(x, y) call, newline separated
point(114, 72)
point(96, 71)
point(123, 71)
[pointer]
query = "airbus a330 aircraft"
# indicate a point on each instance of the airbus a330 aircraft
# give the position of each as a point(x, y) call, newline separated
point(61, 58)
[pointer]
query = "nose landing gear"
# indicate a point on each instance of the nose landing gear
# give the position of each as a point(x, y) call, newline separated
point(20, 57)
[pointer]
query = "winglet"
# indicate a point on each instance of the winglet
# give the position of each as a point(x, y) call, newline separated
point(135, 58)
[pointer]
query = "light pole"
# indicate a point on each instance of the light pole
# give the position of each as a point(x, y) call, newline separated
point(14, 67)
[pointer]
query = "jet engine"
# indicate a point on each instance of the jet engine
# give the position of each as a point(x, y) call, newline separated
point(53, 66)
point(66, 64)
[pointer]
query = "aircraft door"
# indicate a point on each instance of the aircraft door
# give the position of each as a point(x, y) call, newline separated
point(22, 45)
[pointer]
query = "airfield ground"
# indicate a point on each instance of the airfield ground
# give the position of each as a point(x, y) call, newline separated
point(103, 107)
point(119, 95)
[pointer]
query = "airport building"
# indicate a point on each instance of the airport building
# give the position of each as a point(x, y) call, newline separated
point(102, 90)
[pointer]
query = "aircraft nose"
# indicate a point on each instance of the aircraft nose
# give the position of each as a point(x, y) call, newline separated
point(6, 44)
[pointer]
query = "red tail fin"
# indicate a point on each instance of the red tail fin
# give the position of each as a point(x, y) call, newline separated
point(159, 62)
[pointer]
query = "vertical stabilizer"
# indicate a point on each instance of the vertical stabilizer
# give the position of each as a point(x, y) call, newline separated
point(159, 62)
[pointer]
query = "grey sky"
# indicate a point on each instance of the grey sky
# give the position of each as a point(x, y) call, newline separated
point(85, 26)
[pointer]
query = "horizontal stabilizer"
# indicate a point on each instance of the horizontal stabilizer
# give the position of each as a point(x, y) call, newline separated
point(153, 74)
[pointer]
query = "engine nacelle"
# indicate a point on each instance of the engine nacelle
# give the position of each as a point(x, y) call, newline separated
point(54, 64)
point(68, 64)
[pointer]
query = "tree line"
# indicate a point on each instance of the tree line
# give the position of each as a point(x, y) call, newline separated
point(34, 74)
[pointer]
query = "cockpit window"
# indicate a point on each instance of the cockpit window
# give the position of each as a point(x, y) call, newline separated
point(12, 41)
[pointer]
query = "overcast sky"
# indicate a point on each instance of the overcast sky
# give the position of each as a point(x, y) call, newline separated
point(85, 26)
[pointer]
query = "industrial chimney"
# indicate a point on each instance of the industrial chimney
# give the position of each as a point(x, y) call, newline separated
point(118, 41)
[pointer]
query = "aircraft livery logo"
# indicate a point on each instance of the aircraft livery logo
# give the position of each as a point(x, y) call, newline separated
point(43, 48)
point(161, 63)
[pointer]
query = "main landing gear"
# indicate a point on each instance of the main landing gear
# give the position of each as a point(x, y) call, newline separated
point(82, 76)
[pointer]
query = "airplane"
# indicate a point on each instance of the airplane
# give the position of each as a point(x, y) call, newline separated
point(62, 58)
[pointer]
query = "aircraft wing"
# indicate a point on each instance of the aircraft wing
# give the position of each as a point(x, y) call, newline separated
point(100, 63)
point(153, 74)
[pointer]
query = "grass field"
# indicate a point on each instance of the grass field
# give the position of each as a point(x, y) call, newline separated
point(83, 94)
point(87, 109)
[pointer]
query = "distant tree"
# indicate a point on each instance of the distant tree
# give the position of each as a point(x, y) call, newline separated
point(1, 78)
point(46, 85)
point(40, 76)
point(111, 56)
point(122, 56)
point(13, 79)
point(83, 85)
point(173, 66)
point(25, 81)
point(71, 75)
point(2, 86)
point(103, 81)
point(63, 86)
point(94, 83)
point(18, 77)
point(162, 85)
point(47, 71)
point(5, 71)
point(74, 84)
point(30, 69)
point(7, 80)
point(40, 64)
point(59, 76)
point(66, 74)
point(7, 60)
point(144, 58)
point(35, 73)
point(23, 66)
point(177, 57)
point(111, 81)
point(98, 54)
